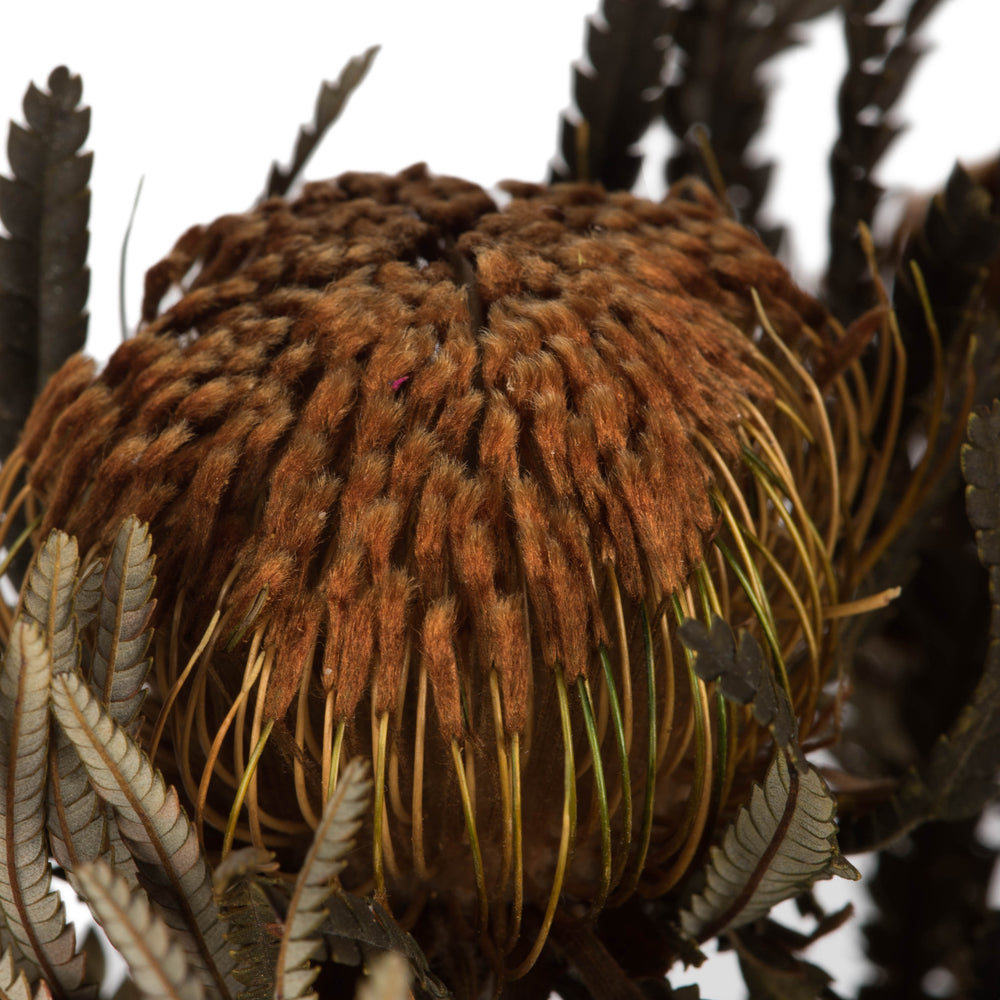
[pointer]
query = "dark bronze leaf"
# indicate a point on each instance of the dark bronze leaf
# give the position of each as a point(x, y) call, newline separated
point(934, 913)
point(742, 673)
point(959, 235)
point(330, 104)
point(958, 776)
point(771, 973)
point(44, 279)
point(356, 929)
point(721, 94)
point(626, 54)
point(244, 906)
point(880, 61)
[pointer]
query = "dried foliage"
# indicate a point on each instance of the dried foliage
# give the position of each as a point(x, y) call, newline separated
point(932, 897)
point(777, 847)
point(742, 674)
point(959, 776)
point(359, 931)
point(950, 250)
point(717, 104)
point(617, 95)
point(450, 553)
point(44, 279)
point(244, 906)
point(157, 961)
point(153, 826)
point(710, 57)
point(785, 838)
point(33, 911)
point(321, 865)
point(169, 928)
point(119, 667)
point(330, 103)
point(880, 59)
point(14, 983)
point(62, 601)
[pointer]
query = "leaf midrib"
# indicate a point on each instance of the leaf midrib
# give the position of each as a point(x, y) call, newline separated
point(155, 841)
point(37, 946)
point(763, 865)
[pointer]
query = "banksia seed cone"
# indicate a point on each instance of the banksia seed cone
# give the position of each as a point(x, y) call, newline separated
point(451, 476)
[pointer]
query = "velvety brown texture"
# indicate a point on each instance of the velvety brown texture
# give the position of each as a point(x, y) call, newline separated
point(448, 453)
point(388, 390)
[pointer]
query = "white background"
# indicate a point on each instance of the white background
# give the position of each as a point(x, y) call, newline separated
point(199, 98)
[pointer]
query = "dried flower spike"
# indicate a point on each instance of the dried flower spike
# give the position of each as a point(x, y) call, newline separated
point(435, 483)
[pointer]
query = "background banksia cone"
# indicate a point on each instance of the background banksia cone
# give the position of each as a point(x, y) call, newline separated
point(452, 476)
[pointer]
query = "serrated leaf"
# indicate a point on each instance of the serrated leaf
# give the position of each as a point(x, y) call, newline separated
point(333, 838)
point(742, 674)
point(95, 957)
point(357, 930)
point(34, 911)
point(249, 919)
point(617, 95)
point(720, 92)
point(87, 594)
point(123, 634)
point(773, 973)
point(958, 236)
point(777, 847)
point(49, 598)
point(60, 602)
point(75, 821)
point(43, 274)
point(330, 104)
point(153, 825)
point(14, 983)
point(959, 775)
point(880, 63)
point(156, 960)
point(120, 597)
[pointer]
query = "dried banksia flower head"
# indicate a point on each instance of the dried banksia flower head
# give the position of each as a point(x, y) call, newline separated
point(435, 483)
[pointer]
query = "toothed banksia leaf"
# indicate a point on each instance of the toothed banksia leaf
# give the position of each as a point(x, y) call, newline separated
point(325, 860)
point(777, 847)
point(330, 103)
point(120, 598)
point(14, 983)
point(33, 912)
point(153, 825)
point(62, 601)
point(123, 633)
point(49, 598)
point(156, 960)
point(44, 278)
point(250, 919)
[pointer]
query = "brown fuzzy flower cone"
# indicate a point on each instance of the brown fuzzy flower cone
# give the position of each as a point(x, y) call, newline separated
point(434, 482)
